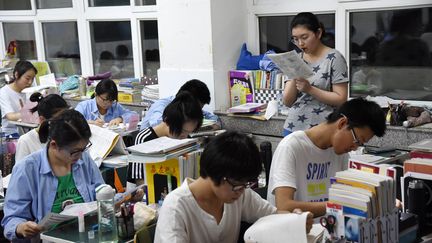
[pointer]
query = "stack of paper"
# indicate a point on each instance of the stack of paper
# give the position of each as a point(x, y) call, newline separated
point(161, 149)
point(247, 108)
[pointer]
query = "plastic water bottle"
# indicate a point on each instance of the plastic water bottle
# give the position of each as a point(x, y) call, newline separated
point(82, 87)
point(106, 213)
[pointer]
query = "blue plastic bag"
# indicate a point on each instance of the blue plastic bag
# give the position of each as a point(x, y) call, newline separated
point(246, 61)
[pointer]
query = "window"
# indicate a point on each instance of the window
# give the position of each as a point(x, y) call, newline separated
point(390, 53)
point(150, 47)
point(105, 3)
point(112, 50)
point(42, 4)
point(15, 5)
point(20, 40)
point(62, 48)
point(275, 32)
point(145, 2)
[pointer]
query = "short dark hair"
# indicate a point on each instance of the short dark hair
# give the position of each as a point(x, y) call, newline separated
point(107, 86)
point(232, 155)
point(49, 105)
point(182, 109)
point(309, 21)
point(67, 128)
point(361, 113)
point(21, 67)
point(198, 89)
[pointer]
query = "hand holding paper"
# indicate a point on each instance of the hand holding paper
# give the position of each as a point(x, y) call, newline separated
point(291, 65)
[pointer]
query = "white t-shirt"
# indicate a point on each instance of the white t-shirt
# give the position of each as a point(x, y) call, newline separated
point(27, 144)
point(300, 164)
point(182, 220)
point(10, 102)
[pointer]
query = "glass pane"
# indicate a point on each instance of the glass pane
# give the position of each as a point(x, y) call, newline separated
point(145, 2)
point(20, 40)
point(275, 32)
point(15, 5)
point(390, 53)
point(62, 48)
point(104, 3)
point(150, 48)
point(112, 50)
point(43, 4)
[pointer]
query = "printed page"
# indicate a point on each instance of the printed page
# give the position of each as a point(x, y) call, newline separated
point(52, 219)
point(76, 208)
point(103, 141)
point(291, 65)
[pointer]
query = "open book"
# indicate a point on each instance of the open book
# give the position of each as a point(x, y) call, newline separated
point(288, 228)
point(103, 142)
point(291, 65)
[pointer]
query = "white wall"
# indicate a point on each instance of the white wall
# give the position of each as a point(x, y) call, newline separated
point(200, 39)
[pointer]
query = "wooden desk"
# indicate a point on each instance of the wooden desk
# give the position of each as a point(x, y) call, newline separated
point(24, 127)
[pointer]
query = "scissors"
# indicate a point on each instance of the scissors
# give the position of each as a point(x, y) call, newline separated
point(328, 223)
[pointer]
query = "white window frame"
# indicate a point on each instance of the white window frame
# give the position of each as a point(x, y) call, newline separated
point(82, 14)
point(341, 9)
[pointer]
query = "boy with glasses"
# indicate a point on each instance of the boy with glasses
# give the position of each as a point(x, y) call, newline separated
point(211, 208)
point(304, 161)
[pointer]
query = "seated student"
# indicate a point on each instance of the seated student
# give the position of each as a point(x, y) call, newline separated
point(103, 107)
point(210, 208)
point(196, 87)
point(180, 118)
point(47, 107)
point(304, 161)
point(55, 176)
point(11, 98)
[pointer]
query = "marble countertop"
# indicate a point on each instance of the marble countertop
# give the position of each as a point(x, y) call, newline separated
point(396, 136)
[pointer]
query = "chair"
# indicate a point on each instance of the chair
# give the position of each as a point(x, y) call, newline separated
point(146, 234)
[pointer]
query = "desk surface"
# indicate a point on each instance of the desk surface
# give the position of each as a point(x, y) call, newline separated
point(68, 232)
point(24, 124)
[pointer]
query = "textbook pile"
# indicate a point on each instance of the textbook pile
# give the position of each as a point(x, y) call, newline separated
point(362, 201)
point(167, 163)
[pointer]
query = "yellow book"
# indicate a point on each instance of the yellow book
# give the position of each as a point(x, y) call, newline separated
point(162, 177)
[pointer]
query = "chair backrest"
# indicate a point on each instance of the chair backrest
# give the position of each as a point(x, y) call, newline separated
point(146, 234)
point(266, 157)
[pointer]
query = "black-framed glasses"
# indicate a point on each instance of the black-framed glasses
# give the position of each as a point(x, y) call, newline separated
point(72, 154)
point(105, 100)
point(239, 187)
point(355, 139)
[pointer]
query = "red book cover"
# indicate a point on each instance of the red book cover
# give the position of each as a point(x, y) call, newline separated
point(420, 154)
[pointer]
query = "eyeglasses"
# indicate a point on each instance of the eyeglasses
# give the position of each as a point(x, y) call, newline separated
point(355, 139)
point(105, 100)
point(72, 154)
point(303, 39)
point(239, 187)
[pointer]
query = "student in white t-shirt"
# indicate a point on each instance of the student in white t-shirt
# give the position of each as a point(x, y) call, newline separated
point(11, 98)
point(47, 107)
point(304, 161)
point(211, 208)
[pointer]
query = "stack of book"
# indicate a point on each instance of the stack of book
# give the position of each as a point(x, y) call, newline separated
point(250, 110)
point(167, 163)
point(362, 199)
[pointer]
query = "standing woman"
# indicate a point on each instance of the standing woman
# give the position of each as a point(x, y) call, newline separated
point(103, 107)
point(46, 107)
point(180, 118)
point(51, 178)
point(311, 100)
point(11, 98)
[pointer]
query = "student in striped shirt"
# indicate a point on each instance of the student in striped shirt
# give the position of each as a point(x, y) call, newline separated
point(180, 118)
